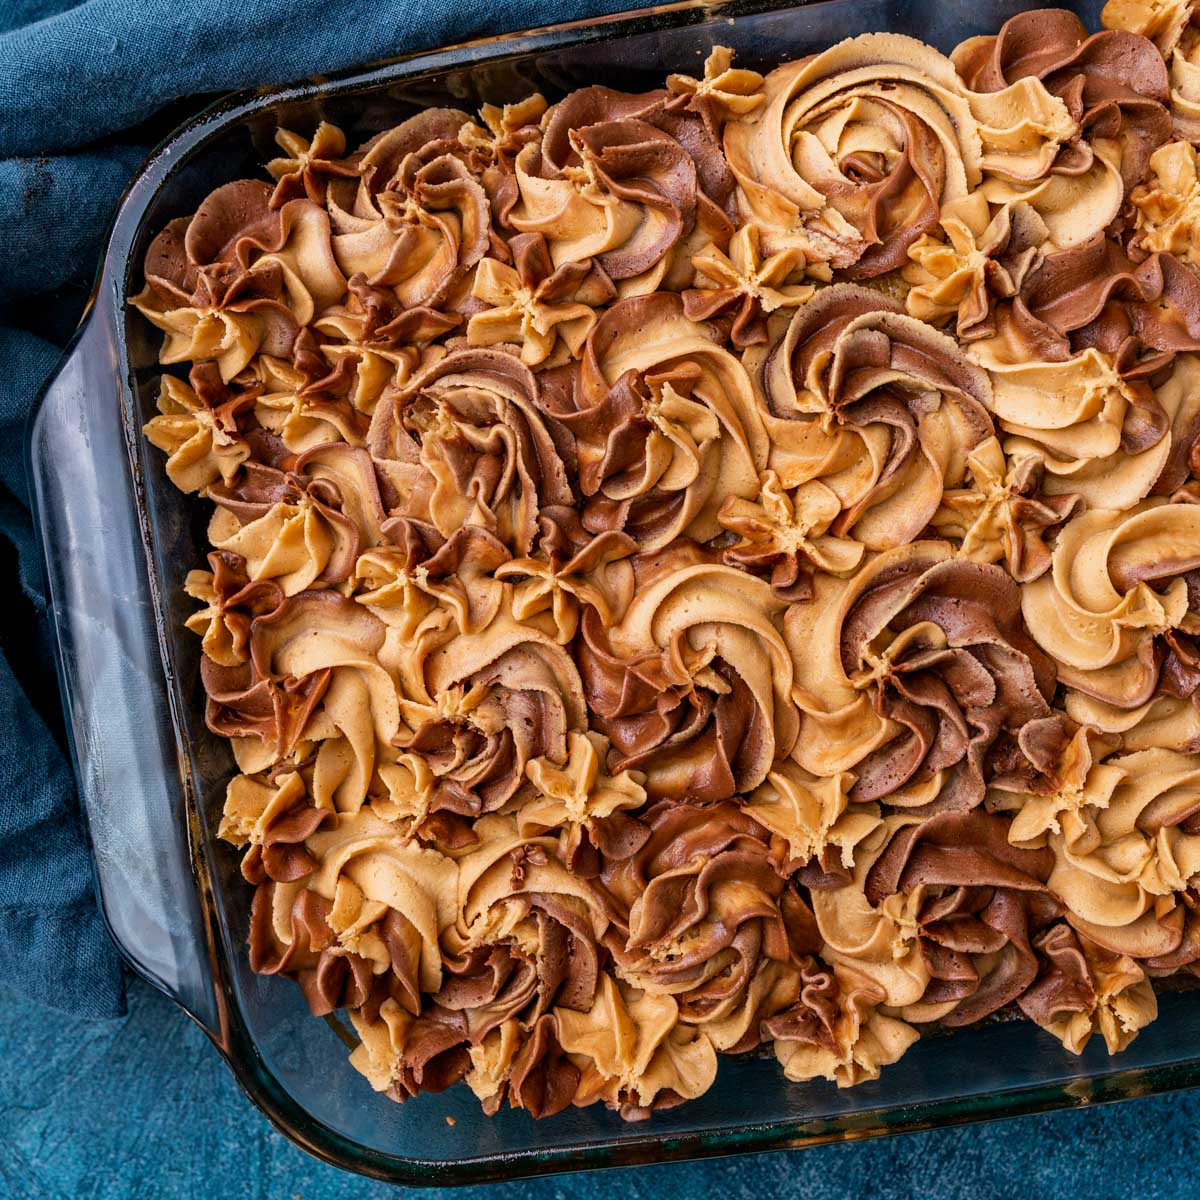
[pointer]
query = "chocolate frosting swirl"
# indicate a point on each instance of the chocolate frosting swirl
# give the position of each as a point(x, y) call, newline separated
point(711, 570)
point(857, 149)
point(693, 686)
point(1114, 83)
point(464, 443)
point(664, 422)
point(931, 665)
point(629, 181)
point(875, 405)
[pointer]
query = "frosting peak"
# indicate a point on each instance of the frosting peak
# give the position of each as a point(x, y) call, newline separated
point(714, 569)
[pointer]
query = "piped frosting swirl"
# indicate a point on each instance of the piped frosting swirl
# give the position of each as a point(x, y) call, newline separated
point(714, 569)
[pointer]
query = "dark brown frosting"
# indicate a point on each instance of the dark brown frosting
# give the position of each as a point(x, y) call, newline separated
point(710, 570)
point(966, 672)
point(992, 900)
point(1114, 82)
point(1094, 295)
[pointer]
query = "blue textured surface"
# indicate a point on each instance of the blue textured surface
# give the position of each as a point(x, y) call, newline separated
point(144, 1107)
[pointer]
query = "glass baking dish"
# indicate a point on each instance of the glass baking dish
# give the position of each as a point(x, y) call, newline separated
point(119, 539)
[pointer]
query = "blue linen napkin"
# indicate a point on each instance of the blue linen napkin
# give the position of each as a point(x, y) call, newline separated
point(80, 85)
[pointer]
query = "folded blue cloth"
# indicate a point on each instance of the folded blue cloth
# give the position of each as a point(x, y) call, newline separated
point(78, 86)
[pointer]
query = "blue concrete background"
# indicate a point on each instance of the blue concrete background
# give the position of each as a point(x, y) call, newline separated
point(144, 1107)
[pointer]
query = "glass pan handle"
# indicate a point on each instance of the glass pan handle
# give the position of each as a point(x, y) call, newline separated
point(131, 780)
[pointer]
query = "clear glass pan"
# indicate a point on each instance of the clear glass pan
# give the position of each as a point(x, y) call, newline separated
point(119, 539)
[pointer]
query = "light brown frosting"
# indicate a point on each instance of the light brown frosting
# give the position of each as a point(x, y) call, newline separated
point(713, 570)
point(840, 388)
point(857, 149)
point(1115, 586)
point(1093, 433)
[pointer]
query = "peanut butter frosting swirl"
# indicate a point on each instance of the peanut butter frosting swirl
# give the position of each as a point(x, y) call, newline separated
point(856, 150)
point(414, 217)
point(836, 1032)
point(1116, 591)
point(968, 904)
point(664, 422)
point(240, 278)
point(712, 570)
point(928, 663)
point(1114, 83)
point(632, 182)
point(694, 684)
point(1095, 295)
point(465, 443)
point(875, 405)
